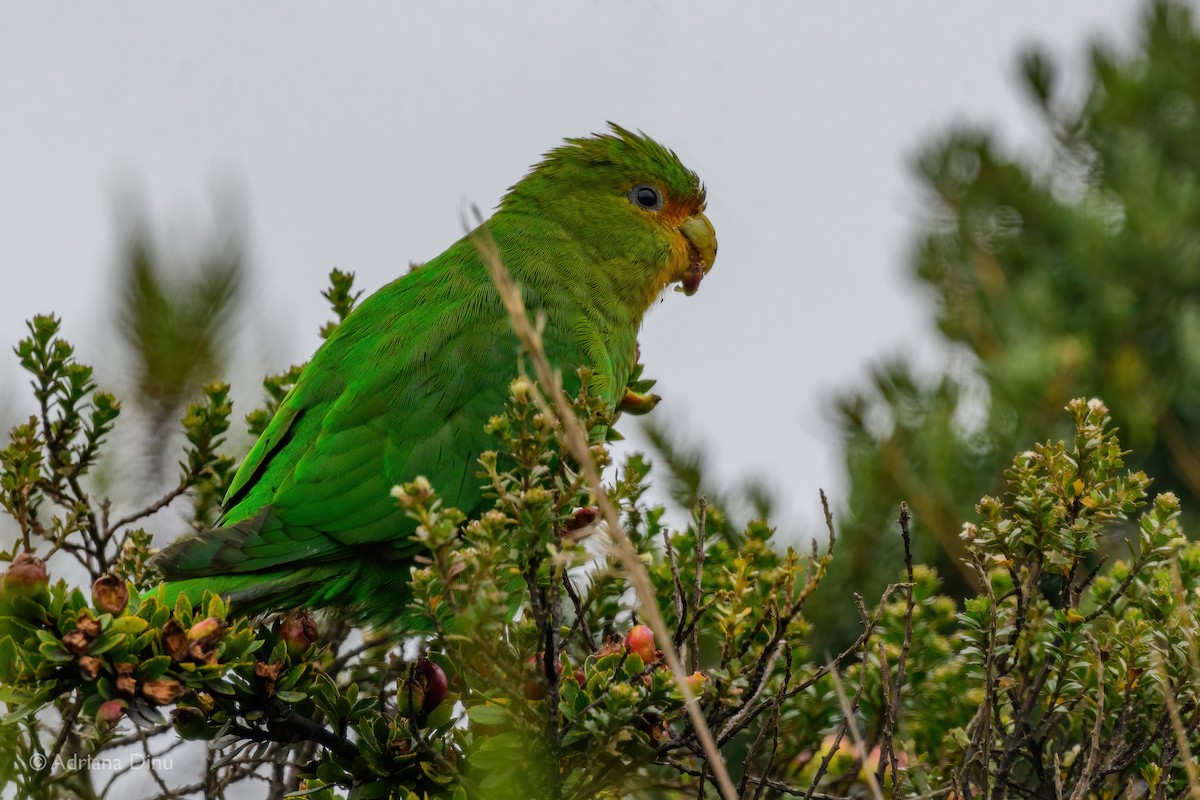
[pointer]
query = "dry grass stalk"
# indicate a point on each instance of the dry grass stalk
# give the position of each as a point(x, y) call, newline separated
point(576, 441)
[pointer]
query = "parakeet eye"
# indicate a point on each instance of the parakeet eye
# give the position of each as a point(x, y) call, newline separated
point(646, 196)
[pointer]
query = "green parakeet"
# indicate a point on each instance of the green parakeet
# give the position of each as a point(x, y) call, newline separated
point(405, 384)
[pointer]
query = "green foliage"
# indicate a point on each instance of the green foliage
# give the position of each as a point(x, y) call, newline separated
point(43, 466)
point(527, 675)
point(1078, 695)
point(47, 456)
point(1067, 273)
point(527, 629)
point(341, 297)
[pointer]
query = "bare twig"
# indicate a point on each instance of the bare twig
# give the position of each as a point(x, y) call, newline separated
point(166, 790)
point(677, 593)
point(829, 520)
point(773, 726)
point(887, 749)
point(151, 509)
point(580, 614)
point(68, 727)
point(834, 746)
point(758, 685)
point(852, 726)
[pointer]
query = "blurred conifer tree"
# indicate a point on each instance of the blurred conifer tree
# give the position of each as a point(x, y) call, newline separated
point(175, 318)
point(1072, 272)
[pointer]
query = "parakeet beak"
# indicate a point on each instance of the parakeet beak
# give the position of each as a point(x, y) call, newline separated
point(702, 241)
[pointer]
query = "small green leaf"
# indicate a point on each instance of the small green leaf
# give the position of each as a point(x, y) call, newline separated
point(106, 642)
point(129, 625)
point(10, 666)
point(489, 714)
point(153, 668)
point(55, 653)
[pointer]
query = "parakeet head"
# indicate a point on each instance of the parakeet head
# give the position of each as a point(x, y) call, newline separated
point(630, 202)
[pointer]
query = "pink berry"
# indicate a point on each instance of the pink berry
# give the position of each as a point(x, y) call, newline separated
point(640, 640)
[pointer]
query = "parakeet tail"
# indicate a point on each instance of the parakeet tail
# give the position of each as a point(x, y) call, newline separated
point(259, 567)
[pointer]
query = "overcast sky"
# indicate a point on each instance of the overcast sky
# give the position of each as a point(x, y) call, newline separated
point(353, 133)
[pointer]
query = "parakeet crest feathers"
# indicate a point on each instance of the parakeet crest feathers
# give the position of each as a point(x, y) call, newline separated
point(589, 162)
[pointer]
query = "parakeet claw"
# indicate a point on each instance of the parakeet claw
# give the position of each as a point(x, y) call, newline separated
point(636, 403)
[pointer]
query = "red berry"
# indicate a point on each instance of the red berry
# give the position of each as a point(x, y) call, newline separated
point(640, 640)
point(581, 518)
point(298, 631)
point(27, 577)
point(432, 680)
point(207, 631)
point(109, 714)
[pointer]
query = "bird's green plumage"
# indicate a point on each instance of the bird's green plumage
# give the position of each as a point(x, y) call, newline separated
point(404, 386)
